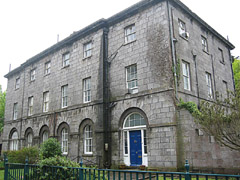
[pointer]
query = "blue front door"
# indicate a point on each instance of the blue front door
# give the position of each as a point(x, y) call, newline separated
point(135, 148)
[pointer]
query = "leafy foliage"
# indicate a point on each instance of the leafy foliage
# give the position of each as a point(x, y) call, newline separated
point(2, 107)
point(219, 119)
point(50, 148)
point(236, 72)
point(190, 106)
point(19, 156)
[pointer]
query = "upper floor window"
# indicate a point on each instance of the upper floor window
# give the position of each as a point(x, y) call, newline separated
point(32, 74)
point(45, 101)
point(130, 33)
point(47, 68)
point(30, 106)
point(87, 49)
point(64, 96)
point(131, 77)
point(221, 55)
point(186, 75)
point(209, 85)
point(87, 90)
point(15, 111)
point(204, 44)
point(64, 143)
point(17, 84)
point(88, 140)
point(182, 29)
point(66, 58)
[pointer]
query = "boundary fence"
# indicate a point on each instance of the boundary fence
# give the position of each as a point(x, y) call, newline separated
point(16, 171)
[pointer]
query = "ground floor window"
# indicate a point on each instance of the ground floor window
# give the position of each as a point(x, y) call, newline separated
point(14, 141)
point(88, 140)
point(29, 139)
point(64, 141)
point(45, 136)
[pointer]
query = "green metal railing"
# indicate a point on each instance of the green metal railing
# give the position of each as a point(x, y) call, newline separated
point(27, 171)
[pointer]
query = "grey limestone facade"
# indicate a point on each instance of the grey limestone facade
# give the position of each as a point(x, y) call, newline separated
point(109, 92)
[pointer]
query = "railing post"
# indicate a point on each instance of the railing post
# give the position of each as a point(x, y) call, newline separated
point(5, 167)
point(26, 170)
point(187, 176)
point(81, 169)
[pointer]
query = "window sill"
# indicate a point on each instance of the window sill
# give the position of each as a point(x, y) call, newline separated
point(64, 107)
point(186, 39)
point(46, 74)
point(130, 42)
point(87, 155)
point(65, 66)
point(206, 52)
point(17, 89)
point(89, 57)
point(222, 62)
point(31, 81)
point(86, 102)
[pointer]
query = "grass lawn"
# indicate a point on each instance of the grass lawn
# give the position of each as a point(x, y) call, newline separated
point(1, 174)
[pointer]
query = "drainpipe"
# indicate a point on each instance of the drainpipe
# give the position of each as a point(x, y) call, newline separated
point(196, 75)
point(214, 93)
point(106, 109)
point(20, 134)
point(173, 50)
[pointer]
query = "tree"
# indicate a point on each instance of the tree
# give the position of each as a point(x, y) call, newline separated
point(236, 72)
point(221, 118)
point(2, 107)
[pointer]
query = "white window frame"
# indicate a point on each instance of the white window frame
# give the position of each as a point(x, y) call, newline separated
point(66, 59)
point(32, 74)
point(17, 84)
point(182, 29)
point(130, 33)
point(64, 92)
point(88, 140)
point(45, 101)
point(186, 75)
point(87, 49)
point(209, 85)
point(204, 44)
point(30, 106)
point(29, 139)
point(45, 136)
point(14, 141)
point(64, 141)
point(15, 111)
point(47, 69)
point(87, 90)
point(131, 78)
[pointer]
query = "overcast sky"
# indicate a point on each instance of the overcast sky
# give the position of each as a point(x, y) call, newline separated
point(29, 27)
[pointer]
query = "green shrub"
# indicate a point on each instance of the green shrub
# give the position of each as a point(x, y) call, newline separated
point(50, 148)
point(19, 156)
point(48, 169)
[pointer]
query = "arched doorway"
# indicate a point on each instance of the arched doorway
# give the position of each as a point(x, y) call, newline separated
point(135, 140)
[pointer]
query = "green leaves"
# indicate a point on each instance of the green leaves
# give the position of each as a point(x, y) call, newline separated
point(50, 148)
point(2, 107)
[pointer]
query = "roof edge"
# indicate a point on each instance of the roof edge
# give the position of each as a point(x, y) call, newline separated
point(68, 40)
point(202, 22)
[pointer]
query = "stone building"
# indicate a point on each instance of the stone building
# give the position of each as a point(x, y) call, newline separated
point(108, 92)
